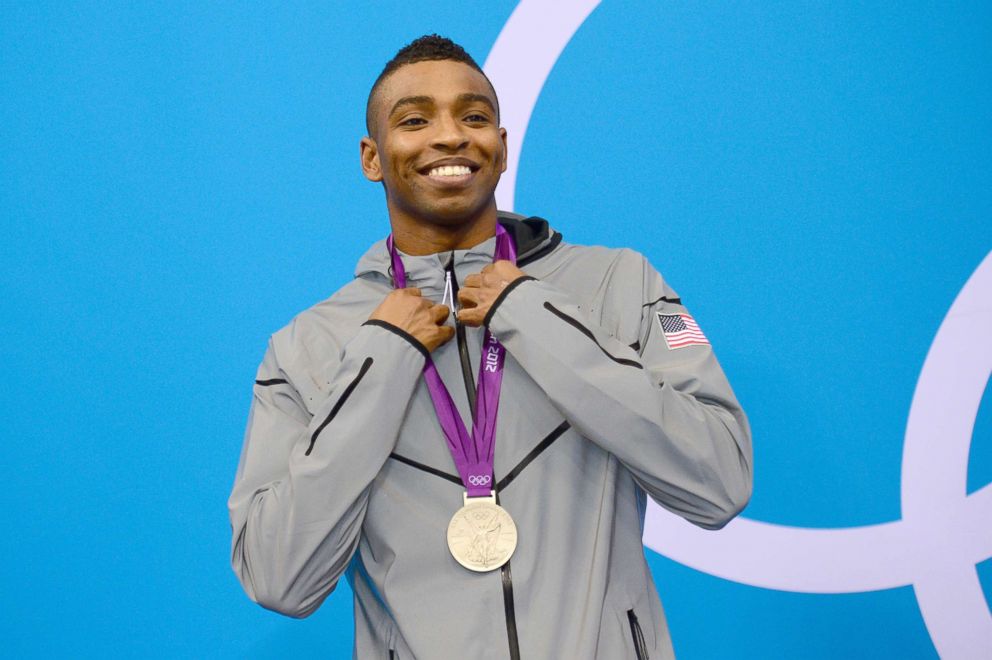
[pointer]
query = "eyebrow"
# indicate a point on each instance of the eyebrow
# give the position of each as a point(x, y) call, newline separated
point(411, 100)
point(481, 98)
point(468, 97)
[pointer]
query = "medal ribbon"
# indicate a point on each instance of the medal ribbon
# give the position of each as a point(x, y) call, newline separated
point(473, 453)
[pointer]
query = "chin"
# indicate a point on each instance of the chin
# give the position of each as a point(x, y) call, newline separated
point(453, 215)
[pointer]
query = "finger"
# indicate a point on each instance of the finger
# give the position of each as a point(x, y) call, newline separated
point(474, 280)
point(468, 298)
point(487, 268)
point(470, 316)
point(410, 290)
point(438, 336)
point(439, 313)
point(508, 268)
point(493, 280)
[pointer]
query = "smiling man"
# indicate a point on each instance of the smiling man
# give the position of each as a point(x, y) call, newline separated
point(480, 477)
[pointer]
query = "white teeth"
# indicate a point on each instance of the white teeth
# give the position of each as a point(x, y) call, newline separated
point(450, 170)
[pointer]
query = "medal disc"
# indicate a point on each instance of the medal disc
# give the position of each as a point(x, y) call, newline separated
point(482, 535)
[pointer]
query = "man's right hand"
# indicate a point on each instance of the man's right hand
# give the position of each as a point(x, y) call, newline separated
point(415, 315)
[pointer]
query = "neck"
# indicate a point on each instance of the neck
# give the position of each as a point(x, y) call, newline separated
point(420, 238)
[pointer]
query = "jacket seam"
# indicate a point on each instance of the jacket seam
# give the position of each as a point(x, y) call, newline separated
point(531, 455)
point(502, 296)
point(337, 406)
point(426, 468)
point(536, 451)
point(677, 301)
point(588, 333)
point(401, 333)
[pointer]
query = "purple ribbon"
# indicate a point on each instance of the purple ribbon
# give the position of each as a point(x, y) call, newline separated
point(473, 453)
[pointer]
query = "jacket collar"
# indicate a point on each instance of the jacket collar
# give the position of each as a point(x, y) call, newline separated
point(532, 236)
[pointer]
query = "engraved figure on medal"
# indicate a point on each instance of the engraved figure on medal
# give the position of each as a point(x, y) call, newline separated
point(481, 535)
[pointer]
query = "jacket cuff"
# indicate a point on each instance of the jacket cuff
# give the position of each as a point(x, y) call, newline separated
point(401, 333)
point(502, 296)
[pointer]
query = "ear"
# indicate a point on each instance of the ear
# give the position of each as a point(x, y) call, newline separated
point(371, 167)
point(502, 137)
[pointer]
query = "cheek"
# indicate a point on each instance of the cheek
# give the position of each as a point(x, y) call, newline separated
point(400, 161)
point(392, 169)
point(496, 148)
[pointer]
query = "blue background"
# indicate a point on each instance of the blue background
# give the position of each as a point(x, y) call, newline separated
point(177, 181)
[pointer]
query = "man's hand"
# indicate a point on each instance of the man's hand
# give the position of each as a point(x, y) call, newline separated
point(415, 315)
point(481, 290)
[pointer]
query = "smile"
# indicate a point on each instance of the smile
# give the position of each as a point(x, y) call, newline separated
point(449, 171)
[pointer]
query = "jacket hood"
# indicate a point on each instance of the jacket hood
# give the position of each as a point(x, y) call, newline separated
point(533, 237)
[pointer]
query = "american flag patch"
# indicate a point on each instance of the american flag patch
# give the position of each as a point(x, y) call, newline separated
point(681, 330)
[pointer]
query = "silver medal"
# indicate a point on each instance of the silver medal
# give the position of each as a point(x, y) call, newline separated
point(481, 535)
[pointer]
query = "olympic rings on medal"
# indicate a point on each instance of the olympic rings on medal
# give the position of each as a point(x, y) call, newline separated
point(479, 480)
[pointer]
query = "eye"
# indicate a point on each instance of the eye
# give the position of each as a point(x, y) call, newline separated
point(476, 118)
point(413, 121)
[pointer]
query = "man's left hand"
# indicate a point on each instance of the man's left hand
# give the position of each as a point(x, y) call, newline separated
point(480, 290)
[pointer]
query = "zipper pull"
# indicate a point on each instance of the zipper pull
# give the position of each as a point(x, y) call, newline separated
point(448, 298)
point(449, 289)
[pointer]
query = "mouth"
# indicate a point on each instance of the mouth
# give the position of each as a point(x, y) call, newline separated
point(447, 171)
point(450, 174)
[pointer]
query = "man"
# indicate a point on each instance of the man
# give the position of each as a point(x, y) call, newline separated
point(358, 457)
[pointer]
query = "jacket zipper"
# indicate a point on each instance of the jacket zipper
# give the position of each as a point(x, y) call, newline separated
point(452, 281)
point(640, 647)
point(511, 619)
point(506, 578)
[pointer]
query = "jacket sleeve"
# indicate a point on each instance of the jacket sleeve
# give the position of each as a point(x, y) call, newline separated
point(668, 414)
point(302, 483)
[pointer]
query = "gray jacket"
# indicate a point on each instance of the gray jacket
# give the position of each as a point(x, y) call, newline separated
point(344, 468)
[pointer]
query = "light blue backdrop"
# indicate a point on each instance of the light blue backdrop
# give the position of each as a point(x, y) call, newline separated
point(177, 181)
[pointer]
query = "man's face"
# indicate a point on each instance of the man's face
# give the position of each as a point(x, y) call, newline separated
point(436, 143)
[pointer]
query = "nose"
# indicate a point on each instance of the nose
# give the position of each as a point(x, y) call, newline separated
point(449, 134)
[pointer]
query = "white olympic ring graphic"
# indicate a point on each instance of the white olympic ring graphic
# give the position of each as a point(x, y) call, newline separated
point(943, 533)
point(479, 479)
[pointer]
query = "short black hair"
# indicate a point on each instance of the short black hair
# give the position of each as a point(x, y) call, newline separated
point(426, 48)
